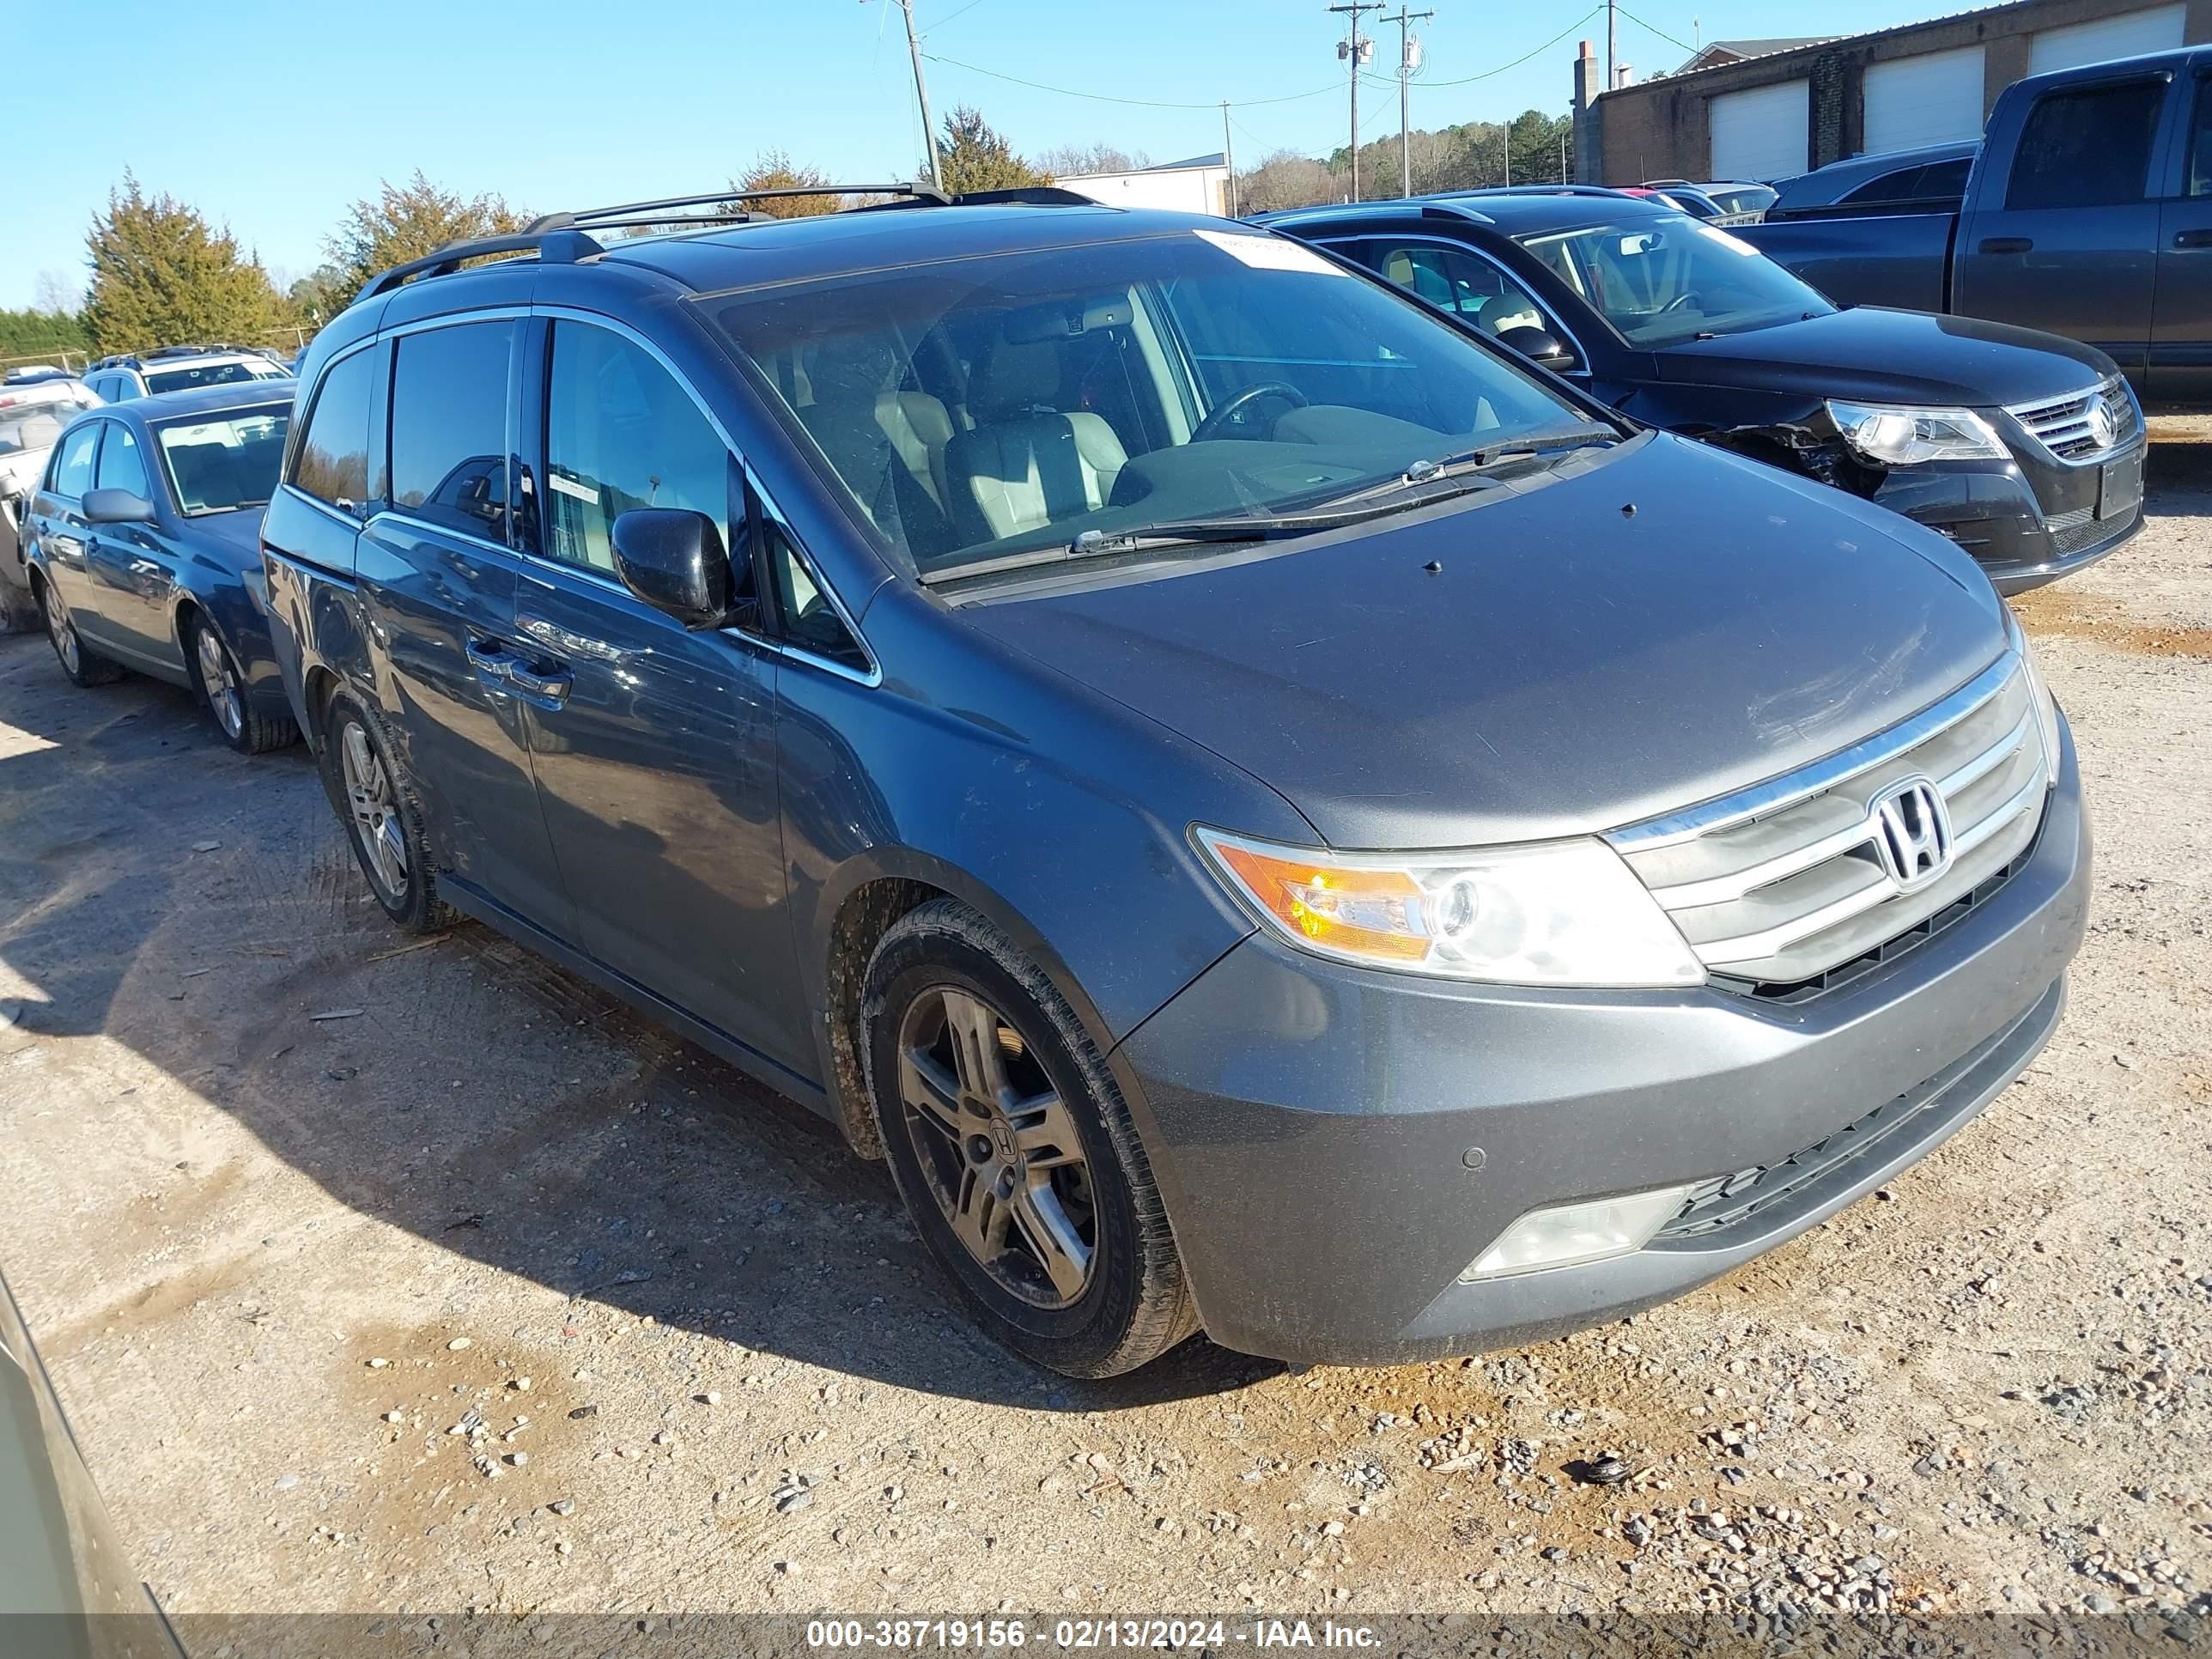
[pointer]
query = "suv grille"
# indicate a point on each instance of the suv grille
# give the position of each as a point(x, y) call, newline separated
point(1782, 882)
point(2061, 425)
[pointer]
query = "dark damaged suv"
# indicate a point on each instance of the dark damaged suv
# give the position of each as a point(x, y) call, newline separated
point(1269, 815)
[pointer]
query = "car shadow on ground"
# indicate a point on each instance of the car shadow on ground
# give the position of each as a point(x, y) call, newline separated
point(203, 909)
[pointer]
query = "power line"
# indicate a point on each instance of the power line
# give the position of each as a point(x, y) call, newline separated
point(1107, 98)
point(949, 17)
point(1656, 30)
point(1485, 75)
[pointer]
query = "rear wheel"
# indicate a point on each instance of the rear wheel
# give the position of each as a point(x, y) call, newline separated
point(223, 687)
point(1012, 1147)
point(84, 666)
point(381, 818)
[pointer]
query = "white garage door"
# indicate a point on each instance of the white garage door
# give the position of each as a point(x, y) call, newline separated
point(1760, 134)
point(2158, 29)
point(1930, 99)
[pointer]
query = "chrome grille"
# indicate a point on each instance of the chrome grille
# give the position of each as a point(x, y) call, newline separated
point(2064, 425)
point(1785, 881)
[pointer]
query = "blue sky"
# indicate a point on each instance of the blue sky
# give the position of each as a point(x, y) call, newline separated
point(272, 116)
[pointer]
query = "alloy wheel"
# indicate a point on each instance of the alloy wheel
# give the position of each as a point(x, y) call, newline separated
point(997, 1147)
point(218, 680)
point(373, 804)
point(60, 630)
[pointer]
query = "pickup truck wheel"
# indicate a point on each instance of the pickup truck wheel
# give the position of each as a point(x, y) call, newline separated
point(84, 666)
point(381, 818)
point(1013, 1149)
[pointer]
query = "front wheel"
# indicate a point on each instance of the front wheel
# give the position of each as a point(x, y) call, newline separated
point(223, 687)
point(1014, 1151)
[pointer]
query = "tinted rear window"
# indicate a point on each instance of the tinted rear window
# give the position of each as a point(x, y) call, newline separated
point(2090, 148)
point(449, 427)
point(332, 463)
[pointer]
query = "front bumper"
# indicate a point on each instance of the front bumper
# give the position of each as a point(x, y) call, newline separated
point(1335, 1145)
point(2026, 522)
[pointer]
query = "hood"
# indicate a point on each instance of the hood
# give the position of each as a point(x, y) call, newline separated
point(1571, 667)
point(1899, 356)
point(20, 468)
point(235, 536)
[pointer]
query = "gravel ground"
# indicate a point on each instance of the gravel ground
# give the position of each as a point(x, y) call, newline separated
point(480, 1294)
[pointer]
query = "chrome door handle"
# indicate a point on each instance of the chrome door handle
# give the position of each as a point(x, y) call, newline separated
point(549, 686)
point(494, 665)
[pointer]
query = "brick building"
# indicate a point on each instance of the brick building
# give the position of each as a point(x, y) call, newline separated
point(1772, 114)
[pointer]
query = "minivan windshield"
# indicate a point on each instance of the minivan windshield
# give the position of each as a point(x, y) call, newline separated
point(184, 379)
point(984, 406)
point(1660, 282)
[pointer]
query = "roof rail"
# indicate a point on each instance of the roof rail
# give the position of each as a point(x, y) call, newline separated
point(656, 212)
point(557, 245)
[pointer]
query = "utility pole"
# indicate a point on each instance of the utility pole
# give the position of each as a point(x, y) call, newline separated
point(1612, 39)
point(1355, 49)
point(1509, 150)
point(1409, 51)
point(1229, 158)
point(921, 96)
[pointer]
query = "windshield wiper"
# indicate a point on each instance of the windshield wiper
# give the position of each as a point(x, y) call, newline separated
point(1470, 464)
point(1147, 538)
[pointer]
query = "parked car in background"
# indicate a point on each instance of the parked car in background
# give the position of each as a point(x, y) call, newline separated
point(1928, 179)
point(2088, 212)
point(32, 412)
point(179, 368)
point(2025, 449)
point(1271, 815)
point(66, 1587)
point(143, 550)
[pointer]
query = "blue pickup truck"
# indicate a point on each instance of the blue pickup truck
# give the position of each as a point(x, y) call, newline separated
point(2088, 213)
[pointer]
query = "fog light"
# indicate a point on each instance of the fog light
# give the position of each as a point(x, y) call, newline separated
point(1571, 1233)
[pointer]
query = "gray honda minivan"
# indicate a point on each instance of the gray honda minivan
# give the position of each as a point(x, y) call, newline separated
point(1270, 815)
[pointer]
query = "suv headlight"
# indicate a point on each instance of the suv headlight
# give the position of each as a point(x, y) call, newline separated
point(1551, 913)
point(1903, 437)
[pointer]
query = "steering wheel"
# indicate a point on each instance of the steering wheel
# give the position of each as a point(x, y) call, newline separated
point(1680, 301)
point(1212, 425)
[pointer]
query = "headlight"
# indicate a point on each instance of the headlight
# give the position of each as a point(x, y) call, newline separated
point(1554, 912)
point(2046, 706)
point(1902, 437)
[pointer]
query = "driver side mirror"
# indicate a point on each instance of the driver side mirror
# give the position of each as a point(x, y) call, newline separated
point(117, 507)
point(673, 559)
point(1540, 346)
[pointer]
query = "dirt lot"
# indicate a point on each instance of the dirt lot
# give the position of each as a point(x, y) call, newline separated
point(275, 1262)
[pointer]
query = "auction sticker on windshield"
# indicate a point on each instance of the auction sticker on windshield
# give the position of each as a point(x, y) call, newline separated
point(1270, 252)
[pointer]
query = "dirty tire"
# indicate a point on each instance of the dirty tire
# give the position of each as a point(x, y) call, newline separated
point(221, 687)
point(351, 728)
point(1133, 1303)
point(84, 666)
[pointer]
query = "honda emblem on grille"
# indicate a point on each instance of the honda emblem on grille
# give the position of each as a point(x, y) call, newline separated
point(1912, 833)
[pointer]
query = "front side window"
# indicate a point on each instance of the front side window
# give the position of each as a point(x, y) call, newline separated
point(999, 403)
point(621, 433)
point(449, 449)
point(333, 465)
point(1660, 281)
point(121, 466)
point(228, 462)
point(1458, 282)
point(72, 466)
point(2090, 148)
point(2200, 140)
point(810, 621)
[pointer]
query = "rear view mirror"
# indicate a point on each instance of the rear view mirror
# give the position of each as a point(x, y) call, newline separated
point(673, 559)
point(117, 507)
point(1539, 345)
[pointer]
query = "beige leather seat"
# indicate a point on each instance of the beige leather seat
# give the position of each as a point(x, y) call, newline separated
point(1026, 464)
point(920, 429)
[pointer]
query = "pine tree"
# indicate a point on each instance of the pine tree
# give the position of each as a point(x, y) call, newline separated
point(773, 171)
point(972, 156)
point(407, 222)
point(163, 275)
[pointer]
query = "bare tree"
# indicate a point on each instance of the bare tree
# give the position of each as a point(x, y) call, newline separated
point(1286, 180)
point(1081, 160)
point(57, 295)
